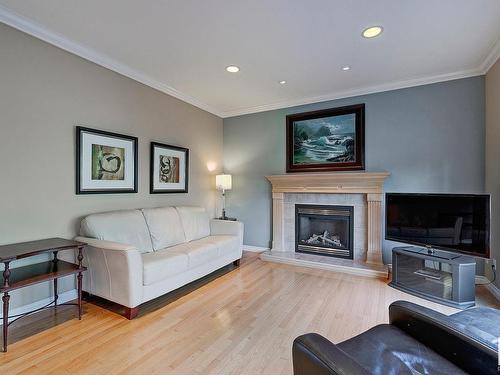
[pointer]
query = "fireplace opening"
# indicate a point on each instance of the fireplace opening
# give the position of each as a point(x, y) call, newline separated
point(326, 230)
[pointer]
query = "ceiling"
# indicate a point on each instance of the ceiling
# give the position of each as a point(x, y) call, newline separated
point(182, 47)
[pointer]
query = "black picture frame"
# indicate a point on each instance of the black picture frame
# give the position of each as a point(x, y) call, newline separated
point(152, 189)
point(80, 189)
point(359, 140)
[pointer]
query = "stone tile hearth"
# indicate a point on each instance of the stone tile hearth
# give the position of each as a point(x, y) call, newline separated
point(353, 267)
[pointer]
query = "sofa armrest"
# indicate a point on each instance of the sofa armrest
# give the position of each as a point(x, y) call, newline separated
point(115, 271)
point(439, 333)
point(108, 245)
point(315, 355)
point(227, 227)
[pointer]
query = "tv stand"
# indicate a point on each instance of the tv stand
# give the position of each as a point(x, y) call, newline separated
point(430, 251)
point(435, 275)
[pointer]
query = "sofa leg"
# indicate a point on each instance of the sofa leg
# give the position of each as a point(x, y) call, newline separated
point(237, 262)
point(131, 312)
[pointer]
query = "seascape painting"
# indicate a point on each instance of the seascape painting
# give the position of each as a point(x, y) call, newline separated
point(169, 169)
point(326, 140)
point(108, 163)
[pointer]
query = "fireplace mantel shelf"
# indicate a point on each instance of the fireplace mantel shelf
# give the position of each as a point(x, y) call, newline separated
point(337, 182)
point(371, 184)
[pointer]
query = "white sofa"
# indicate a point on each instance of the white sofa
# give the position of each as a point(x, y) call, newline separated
point(135, 256)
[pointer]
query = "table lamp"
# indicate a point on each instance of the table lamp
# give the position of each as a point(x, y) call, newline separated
point(223, 182)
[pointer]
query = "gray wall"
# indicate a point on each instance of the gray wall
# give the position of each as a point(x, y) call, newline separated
point(430, 138)
point(44, 93)
point(493, 155)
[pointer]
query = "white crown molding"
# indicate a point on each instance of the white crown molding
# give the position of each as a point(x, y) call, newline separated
point(355, 92)
point(491, 58)
point(30, 27)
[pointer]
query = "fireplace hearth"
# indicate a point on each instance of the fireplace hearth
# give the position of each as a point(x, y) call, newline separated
point(324, 230)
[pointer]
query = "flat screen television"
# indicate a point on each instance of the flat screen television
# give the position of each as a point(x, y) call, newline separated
point(453, 222)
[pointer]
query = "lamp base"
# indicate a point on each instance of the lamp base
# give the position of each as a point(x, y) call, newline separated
point(224, 217)
point(227, 218)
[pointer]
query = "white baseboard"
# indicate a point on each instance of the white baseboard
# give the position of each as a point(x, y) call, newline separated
point(481, 280)
point(64, 297)
point(254, 249)
point(494, 290)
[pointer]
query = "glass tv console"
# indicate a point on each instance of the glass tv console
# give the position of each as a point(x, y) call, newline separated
point(435, 275)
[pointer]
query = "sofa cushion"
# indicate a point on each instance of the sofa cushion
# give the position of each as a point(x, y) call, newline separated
point(164, 226)
point(385, 349)
point(195, 222)
point(163, 264)
point(482, 323)
point(199, 252)
point(127, 227)
point(225, 244)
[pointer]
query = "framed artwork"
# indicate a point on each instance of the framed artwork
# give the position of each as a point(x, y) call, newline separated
point(326, 140)
point(169, 169)
point(105, 162)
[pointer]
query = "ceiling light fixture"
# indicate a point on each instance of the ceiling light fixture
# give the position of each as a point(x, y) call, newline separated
point(372, 31)
point(232, 69)
point(346, 68)
point(282, 82)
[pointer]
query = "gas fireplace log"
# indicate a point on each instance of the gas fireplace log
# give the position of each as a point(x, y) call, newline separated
point(315, 238)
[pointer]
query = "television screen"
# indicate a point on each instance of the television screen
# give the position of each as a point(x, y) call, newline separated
point(455, 222)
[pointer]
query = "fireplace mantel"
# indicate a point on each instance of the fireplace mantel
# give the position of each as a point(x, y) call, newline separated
point(369, 183)
point(338, 182)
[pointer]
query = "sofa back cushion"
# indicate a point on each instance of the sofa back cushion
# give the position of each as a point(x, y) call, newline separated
point(195, 222)
point(165, 227)
point(128, 227)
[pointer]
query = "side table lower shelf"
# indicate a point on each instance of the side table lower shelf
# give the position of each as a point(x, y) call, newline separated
point(20, 277)
point(39, 272)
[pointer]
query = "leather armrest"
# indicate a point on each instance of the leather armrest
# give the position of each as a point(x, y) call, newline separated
point(115, 271)
point(315, 355)
point(227, 227)
point(436, 331)
point(103, 244)
point(401, 310)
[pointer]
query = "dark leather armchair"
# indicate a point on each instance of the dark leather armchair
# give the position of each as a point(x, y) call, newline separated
point(418, 340)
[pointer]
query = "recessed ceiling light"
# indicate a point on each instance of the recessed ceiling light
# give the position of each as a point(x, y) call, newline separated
point(232, 69)
point(372, 31)
point(282, 82)
point(346, 68)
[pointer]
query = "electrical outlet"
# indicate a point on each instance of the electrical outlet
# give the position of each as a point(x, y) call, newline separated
point(490, 262)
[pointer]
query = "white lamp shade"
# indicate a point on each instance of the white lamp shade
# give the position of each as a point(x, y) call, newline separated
point(223, 182)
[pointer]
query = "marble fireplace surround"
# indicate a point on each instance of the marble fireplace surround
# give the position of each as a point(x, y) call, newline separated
point(357, 201)
point(363, 190)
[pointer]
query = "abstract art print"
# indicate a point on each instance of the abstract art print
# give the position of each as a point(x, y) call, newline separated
point(169, 169)
point(326, 140)
point(106, 162)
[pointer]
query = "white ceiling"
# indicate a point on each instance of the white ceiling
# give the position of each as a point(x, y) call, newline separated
point(182, 46)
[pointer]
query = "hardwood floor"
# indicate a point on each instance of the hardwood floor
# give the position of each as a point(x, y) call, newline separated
point(244, 322)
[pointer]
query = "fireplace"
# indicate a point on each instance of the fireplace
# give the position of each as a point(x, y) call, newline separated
point(325, 230)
